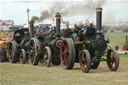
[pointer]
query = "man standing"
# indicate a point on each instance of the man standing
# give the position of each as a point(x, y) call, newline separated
point(68, 32)
point(76, 30)
point(90, 30)
point(38, 31)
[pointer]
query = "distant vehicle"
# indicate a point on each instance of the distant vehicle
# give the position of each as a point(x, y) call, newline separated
point(6, 25)
point(18, 46)
point(5, 36)
point(44, 27)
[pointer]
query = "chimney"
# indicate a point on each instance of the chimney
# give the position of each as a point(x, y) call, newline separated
point(99, 19)
point(31, 28)
point(52, 20)
point(61, 20)
point(58, 21)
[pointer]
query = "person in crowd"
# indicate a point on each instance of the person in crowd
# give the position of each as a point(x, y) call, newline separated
point(68, 32)
point(91, 25)
point(76, 28)
point(91, 30)
point(38, 31)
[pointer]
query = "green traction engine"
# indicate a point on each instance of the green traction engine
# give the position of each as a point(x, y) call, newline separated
point(89, 47)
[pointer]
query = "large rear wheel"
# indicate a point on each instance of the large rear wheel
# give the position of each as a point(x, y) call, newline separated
point(67, 53)
point(112, 59)
point(85, 61)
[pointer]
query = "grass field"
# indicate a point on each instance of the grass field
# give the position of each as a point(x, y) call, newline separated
point(18, 74)
point(116, 38)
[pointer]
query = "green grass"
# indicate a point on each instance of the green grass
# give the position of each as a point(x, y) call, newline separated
point(18, 74)
point(116, 39)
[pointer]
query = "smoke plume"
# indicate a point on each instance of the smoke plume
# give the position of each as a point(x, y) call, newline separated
point(70, 8)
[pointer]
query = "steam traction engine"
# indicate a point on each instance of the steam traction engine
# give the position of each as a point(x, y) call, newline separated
point(18, 46)
point(87, 47)
point(45, 47)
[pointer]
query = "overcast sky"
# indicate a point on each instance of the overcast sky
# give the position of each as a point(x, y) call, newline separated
point(113, 10)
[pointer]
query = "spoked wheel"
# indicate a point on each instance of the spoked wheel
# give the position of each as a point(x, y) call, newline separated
point(12, 52)
point(33, 55)
point(112, 59)
point(94, 65)
point(23, 58)
point(67, 53)
point(47, 58)
point(85, 61)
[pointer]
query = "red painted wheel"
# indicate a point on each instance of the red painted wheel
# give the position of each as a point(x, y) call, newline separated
point(67, 53)
point(85, 61)
point(112, 59)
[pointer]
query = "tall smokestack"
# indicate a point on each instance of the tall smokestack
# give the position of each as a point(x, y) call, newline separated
point(53, 20)
point(31, 28)
point(28, 10)
point(99, 19)
point(58, 21)
point(61, 20)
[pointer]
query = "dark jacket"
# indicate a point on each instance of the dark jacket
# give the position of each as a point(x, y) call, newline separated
point(90, 31)
point(76, 30)
point(68, 33)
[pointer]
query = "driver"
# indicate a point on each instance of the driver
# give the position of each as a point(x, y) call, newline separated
point(68, 32)
point(91, 30)
point(38, 31)
point(76, 30)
